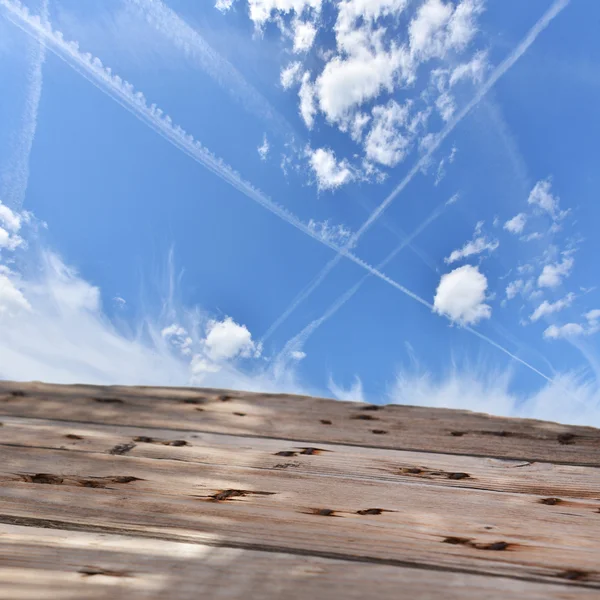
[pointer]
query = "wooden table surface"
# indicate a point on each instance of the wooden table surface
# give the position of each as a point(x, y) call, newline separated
point(132, 492)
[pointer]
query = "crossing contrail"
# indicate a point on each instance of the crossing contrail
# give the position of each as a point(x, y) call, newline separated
point(124, 93)
point(496, 74)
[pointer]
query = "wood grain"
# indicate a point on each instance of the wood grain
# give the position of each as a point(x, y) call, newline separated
point(440, 527)
point(155, 492)
point(308, 419)
point(48, 564)
point(301, 457)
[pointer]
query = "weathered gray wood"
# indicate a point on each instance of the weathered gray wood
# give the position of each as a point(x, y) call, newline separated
point(307, 419)
point(51, 564)
point(346, 462)
point(433, 526)
point(187, 493)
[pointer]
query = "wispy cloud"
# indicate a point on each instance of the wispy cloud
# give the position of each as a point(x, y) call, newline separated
point(123, 92)
point(194, 47)
point(15, 177)
point(438, 139)
point(486, 390)
point(479, 244)
point(263, 149)
point(548, 308)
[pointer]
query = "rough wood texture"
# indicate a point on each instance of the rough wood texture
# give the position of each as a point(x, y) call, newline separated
point(155, 492)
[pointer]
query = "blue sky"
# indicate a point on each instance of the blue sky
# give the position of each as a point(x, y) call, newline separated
point(383, 200)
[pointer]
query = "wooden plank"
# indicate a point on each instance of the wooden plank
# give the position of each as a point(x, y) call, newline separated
point(542, 479)
point(37, 564)
point(308, 419)
point(512, 535)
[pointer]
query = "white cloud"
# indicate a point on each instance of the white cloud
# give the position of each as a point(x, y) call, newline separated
point(474, 70)
point(593, 315)
point(357, 125)
point(330, 174)
point(439, 28)
point(336, 234)
point(224, 5)
point(461, 296)
point(548, 308)
point(542, 197)
point(516, 224)
point(552, 275)
point(10, 224)
point(120, 302)
point(55, 330)
point(262, 10)
point(226, 340)
point(446, 106)
point(576, 329)
point(352, 394)
point(564, 331)
point(304, 35)
point(386, 143)
point(10, 220)
point(479, 243)
point(263, 149)
point(346, 83)
point(513, 288)
point(12, 300)
point(308, 108)
point(567, 399)
point(298, 355)
point(290, 75)
point(536, 235)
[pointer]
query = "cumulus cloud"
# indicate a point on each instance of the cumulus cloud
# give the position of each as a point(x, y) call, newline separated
point(547, 308)
point(473, 70)
point(54, 329)
point(330, 173)
point(290, 75)
point(304, 35)
point(387, 142)
point(263, 149)
point(516, 224)
point(227, 339)
point(513, 288)
point(439, 28)
point(553, 274)
point(479, 244)
point(542, 197)
point(10, 224)
point(12, 300)
point(461, 296)
point(377, 50)
point(308, 107)
point(347, 83)
point(336, 234)
point(570, 330)
point(224, 5)
point(564, 331)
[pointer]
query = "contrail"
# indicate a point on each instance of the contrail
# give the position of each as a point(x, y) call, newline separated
point(167, 22)
point(123, 92)
point(498, 72)
point(16, 177)
point(407, 241)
